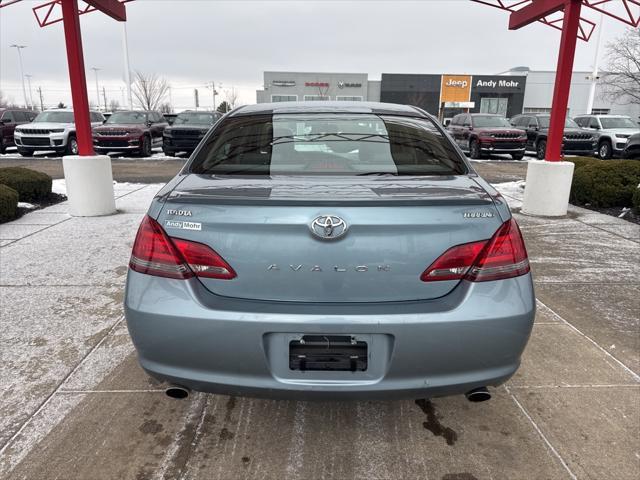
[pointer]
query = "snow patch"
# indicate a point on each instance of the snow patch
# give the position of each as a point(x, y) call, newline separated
point(28, 206)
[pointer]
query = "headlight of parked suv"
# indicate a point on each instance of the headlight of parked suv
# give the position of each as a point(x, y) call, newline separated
point(57, 130)
point(167, 132)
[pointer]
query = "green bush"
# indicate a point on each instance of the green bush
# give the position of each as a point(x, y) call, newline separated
point(30, 185)
point(635, 201)
point(610, 183)
point(8, 203)
point(583, 161)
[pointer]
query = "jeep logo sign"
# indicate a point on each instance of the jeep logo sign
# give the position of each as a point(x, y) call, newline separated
point(457, 83)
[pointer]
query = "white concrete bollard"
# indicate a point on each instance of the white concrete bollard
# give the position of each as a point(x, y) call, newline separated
point(89, 185)
point(546, 192)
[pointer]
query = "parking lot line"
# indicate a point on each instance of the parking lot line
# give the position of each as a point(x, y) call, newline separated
point(542, 435)
point(635, 376)
point(58, 388)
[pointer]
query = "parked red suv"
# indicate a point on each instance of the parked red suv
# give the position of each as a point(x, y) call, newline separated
point(131, 131)
point(9, 119)
point(484, 133)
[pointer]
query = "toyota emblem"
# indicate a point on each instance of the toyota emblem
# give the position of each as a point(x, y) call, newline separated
point(328, 227)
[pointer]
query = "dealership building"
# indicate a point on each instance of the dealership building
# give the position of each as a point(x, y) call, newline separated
point(509, 93)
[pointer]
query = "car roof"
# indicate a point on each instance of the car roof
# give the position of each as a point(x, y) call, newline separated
point(70, 110)
point(327, 107)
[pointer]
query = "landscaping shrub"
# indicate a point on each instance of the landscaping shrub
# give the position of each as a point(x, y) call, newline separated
point(30, 185)
point(583, 161)
point(8, 203)
point(635, 201)
point(605, 184)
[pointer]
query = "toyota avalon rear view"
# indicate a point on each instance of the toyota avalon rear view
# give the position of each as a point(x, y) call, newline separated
point(329, 250)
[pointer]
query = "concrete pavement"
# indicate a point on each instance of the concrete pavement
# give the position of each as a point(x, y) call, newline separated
point(75, 404)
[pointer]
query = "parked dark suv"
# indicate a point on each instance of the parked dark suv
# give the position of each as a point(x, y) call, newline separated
point(187, 130)
point(577, 141)
point(130, 131)
point(9, 119)
point(484, 133)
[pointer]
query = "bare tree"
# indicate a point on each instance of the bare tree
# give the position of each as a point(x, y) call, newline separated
point(149, 90)
point(621, 82)
point(232, 96)
point(114, 105)
point(4, 102)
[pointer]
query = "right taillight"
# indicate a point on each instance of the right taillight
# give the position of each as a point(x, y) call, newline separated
point(155, 253)
point(502, 256)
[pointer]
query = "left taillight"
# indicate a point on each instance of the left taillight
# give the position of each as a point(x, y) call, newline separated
point(155, 253)
point(502, 256)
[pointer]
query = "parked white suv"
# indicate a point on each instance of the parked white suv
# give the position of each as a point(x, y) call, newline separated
point(51, 130)
point(614, 132)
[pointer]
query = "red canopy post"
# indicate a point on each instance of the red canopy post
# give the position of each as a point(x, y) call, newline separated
point(564, 73)
point(77, 78)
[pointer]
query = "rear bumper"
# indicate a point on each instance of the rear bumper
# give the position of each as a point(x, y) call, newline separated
point(472, 337)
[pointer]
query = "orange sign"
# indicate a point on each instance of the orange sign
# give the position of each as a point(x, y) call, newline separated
point(455, 88)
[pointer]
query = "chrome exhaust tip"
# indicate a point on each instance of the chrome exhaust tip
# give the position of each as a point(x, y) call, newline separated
point(480, 394)
point(177, 392)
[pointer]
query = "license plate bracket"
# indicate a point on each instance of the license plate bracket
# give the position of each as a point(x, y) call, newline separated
point(338, 353)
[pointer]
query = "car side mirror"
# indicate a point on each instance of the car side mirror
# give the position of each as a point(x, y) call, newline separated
point(1, 122)
point(149, 123)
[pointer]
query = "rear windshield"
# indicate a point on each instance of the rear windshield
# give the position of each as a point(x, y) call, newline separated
point(490, 121)
point(194, 119)
point(55, 117)
point(327, 144)
point(128, 117)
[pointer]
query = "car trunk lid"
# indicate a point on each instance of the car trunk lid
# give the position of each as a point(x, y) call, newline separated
point(395, 228)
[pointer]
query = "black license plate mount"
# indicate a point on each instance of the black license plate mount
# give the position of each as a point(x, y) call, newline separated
point(338, 353)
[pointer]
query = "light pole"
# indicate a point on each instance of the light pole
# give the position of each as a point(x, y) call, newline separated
point(594, 75)
point(95, 70)
point(127, 67)
point(213, 93)
point(33, 105)
point(24, 89)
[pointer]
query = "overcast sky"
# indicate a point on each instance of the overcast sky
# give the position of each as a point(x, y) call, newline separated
point(233, 42)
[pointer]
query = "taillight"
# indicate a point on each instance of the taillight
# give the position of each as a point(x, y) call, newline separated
point(155, 253)
point(502, 256)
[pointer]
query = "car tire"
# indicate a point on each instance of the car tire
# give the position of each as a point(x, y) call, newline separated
point(169, 153)
point(72, 146)
point(145, 148)
point(541, 149)
point(605, 152)
point(25, 152)
point(474, 149)
point(2, 147)
point(517, 156)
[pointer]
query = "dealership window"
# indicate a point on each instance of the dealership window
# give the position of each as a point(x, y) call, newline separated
point(494, 105)
point(284, 98)
point(600, 111)
point(315, 98)
point(537, 110)
point(349, 99)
